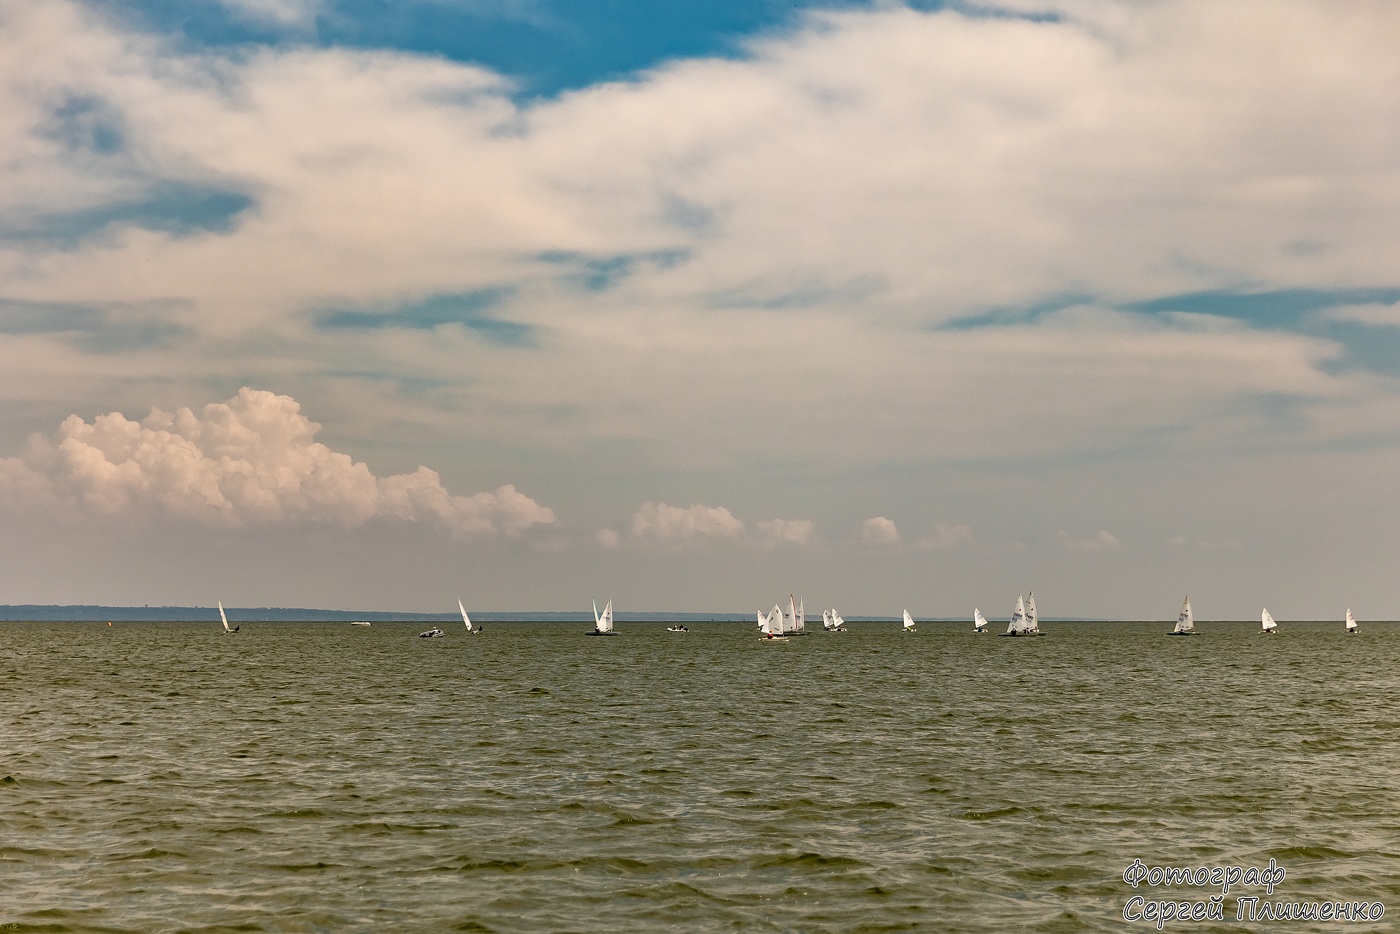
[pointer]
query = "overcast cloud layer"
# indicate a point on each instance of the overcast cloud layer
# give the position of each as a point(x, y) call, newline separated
point(1091, 298)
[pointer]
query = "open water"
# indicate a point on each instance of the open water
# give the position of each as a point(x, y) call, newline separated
point(324, 777)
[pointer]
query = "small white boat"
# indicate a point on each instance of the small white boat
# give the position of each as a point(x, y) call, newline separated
point(979, 622)
point(1270, 628)
point(434, 633)
point(602, 622)
point(228, 631)
point(796, 624)
point(772, 626)
point(1351, 623)
point(832, 621)
point(1185, 622)
point(908, 623)
point(677, 627)
point(473, 630)
point(359, 622)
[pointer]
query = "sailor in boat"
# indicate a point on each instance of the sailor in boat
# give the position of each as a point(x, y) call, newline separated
point(431, 633)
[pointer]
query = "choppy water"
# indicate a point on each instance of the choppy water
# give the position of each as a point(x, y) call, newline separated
point(323, 777)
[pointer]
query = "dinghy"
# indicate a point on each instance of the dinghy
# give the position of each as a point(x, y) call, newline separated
point(227, 630)
point(772, 626)
point(359, 622)
point(677, 627)
point(979, 622)
point(1032, 617)
point(473, 630)
point(434, 633)
point(1351, 623)
point(1185, 622)
point(1270, 627)
point(796, 624)
point(832, 621)
point(602, 622)
point(908, 623)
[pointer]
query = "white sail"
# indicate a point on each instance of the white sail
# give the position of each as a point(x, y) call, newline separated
point(1185, 622)
point(224, 618)
point(1268, 622)
point(790, 624)
point(468, 621)
point(800, 620)
point(826, 619)
point(836, 621)
point(1032, 617)
point(605, 621)
point(774, 623)
point(979, 622)
point(763, 627)
point(1018, 619)
point(1351, 621)
point(908, 621)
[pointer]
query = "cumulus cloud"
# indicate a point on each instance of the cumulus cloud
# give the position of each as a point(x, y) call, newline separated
point(251, 460)
point(787, 531)
point(1104, 541)
point(665, 523)
point(879, 531)
point(947, 536)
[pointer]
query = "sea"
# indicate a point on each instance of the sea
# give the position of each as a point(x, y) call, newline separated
point(325, 777)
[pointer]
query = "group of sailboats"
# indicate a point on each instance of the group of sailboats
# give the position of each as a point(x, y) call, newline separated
point(775, 627)
point(832, 621)
point(1025, 621)
point(1186, 622)
point(602, 622)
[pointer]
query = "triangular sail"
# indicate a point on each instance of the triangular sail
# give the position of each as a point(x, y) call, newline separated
point(774, 622)
point(1185, 622)
point(223, 617)
point(1268, 621)
point(979, 622)
point(790, 624)
point(908, 620)
point(1032, 617)
point(800, 621)
point(1351, 620)
point(1018, 619)
point(826, 619)
point(836, 621)
point(468, 621)
point(605, 622)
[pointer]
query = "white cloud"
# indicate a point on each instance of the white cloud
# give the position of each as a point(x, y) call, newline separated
point(946, 536)
point(879, 531)
point(787, 531)
point(1104, 541)
point(666, 523)
point(607, 538)
point(251, 460)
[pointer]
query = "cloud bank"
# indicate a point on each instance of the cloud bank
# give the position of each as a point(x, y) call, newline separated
point(251, 460)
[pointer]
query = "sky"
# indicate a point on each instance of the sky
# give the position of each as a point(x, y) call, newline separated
point(366, 305)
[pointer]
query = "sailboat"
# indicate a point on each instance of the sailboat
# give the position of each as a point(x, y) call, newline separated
point(436, 632)
point(832, 621)
point(474, 630)
point(772, 626)
point(228, 631)
point(797, 620)
point(678, 627)
point(602, 622)
point(1032, 617)
point(1351, 623)
point(1270, 627)
point(1023, 622)
point(908, 623)
point(979, 622)
point(359, 622)
point(1185, 623)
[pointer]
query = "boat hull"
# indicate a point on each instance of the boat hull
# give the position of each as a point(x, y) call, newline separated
point(596, 632)
point(1181, 633)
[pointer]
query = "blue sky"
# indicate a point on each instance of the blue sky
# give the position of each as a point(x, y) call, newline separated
point(378, 305)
